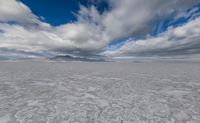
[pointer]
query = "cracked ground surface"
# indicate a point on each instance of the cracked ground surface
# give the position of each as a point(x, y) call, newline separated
point(81, 92)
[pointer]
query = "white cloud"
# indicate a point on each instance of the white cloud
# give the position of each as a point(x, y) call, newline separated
point(15, 11)
point(11, 10)
point(175, 41)
point(138, 17)
point(93, 31)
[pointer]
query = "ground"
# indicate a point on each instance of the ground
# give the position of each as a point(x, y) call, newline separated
point(99, 92)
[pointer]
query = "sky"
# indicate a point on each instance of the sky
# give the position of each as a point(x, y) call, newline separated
point(112, 29)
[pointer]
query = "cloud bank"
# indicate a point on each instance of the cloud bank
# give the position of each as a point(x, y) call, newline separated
point(23, 34)
point(181, 40)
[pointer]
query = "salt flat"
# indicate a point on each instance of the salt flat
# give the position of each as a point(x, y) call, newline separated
point(102, 92)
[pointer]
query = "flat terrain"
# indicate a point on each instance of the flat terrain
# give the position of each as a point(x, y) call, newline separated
point(103, 92)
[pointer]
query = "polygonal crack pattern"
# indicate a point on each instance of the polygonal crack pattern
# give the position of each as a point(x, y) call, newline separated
point(103, 92)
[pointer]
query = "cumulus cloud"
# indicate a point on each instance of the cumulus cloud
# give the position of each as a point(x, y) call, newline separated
point(138, 17)
point(32, 35)
point(17, 12)
point(10, 10)
point(181, 40)
point(93, 30)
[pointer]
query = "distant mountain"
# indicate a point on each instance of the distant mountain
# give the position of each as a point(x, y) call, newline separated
point(76, 58)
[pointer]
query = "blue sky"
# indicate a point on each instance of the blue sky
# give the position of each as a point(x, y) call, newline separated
point(57, 12)
point(104, 28)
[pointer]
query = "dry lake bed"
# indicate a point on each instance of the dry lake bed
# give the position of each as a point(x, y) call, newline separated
point(99, 92)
